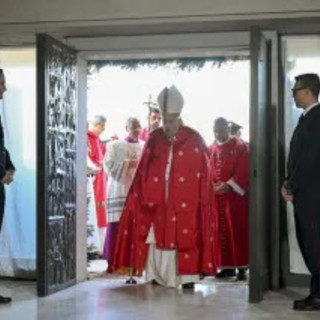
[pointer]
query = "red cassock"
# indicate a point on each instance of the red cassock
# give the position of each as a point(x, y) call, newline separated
point(96, 152)
point(231, 161)
point(183, 222)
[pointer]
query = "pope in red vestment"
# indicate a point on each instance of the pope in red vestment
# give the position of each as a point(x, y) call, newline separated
point(167, 223)
point(96, 153)
point(230, 174)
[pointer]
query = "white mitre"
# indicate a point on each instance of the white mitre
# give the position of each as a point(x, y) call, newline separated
point(170, 101)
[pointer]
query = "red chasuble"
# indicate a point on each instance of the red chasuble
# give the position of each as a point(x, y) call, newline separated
point(96, 152)
point(231, 161)
point(183, 222)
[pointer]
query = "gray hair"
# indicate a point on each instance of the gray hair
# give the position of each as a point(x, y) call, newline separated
point(221, 121)
point(130, 120)
point(97, 119)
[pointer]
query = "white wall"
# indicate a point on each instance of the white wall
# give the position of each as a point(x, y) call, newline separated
point(66, 10)
point(18, 109)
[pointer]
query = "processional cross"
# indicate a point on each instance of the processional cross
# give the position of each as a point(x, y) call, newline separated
point(150, 106)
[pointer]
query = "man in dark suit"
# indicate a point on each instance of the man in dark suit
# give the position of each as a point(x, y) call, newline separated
point(302, 185)
point(6, 167)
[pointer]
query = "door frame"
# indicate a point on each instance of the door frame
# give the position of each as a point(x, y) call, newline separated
point(138, 54)
point(117, 51)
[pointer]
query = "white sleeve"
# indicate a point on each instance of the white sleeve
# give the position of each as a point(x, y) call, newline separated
point(90, 164)
point(236, 187)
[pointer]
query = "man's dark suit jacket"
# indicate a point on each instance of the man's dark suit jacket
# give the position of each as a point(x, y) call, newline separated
point(304, 156)
point(5, 161)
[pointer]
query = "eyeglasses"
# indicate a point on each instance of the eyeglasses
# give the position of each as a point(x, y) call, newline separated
point(294, 90)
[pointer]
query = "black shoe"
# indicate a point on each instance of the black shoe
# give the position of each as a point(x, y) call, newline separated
point(131, 280)
point(308, 304)
point(226, 273)
point(155, 283)
point(188, 286)
point(5, 299)
point(242, 276)
point(302, 302)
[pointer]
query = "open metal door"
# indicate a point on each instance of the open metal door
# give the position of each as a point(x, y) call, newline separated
point(259, 157)
point(56, 165)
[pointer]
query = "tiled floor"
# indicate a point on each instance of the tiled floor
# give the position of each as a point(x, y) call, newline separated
point(109, 299)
